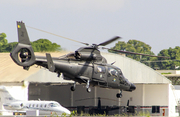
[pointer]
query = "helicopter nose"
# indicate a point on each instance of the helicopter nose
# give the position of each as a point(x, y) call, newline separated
point(132, 87)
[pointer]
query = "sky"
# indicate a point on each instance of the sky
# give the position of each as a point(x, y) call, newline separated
point(154, 22)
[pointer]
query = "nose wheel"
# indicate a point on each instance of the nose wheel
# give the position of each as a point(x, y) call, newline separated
point(72, 88)
point(88, 89)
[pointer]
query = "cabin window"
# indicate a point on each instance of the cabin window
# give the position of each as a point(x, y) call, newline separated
point(41, 105)
point(29, 105)
point(37, 105)
point(45, 105)
point(33, 105)
point(101, 69)
point(112, 72)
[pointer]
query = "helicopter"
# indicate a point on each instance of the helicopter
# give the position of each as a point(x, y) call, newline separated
point(85, 65)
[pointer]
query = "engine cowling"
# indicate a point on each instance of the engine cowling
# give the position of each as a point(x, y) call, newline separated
point(87, 56)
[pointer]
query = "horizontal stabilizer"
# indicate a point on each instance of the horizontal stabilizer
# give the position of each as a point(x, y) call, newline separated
point(50, 63)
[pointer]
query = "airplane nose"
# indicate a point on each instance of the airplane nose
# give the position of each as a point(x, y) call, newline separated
point(132, 87)
point(67, 111)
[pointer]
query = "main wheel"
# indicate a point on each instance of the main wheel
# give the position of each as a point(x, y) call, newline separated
point(88, 89)
point(72, 88)
point(119, 95)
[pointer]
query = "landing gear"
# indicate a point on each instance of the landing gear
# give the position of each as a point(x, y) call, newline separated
point(73, 87)
point(119, 95)
point(87, 87)
point(88, 90)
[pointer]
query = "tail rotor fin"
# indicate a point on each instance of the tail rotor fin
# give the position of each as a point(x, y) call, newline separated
point(22, 34)
point(23, 53)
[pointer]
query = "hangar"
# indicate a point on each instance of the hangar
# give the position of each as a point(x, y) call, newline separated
point(154, 92)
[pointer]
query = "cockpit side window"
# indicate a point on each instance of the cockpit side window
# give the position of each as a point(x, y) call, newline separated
point(112, 72)
point(101, 69)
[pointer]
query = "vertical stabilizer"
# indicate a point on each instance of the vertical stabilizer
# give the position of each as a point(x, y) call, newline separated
point(22, 34)
point(5, 96)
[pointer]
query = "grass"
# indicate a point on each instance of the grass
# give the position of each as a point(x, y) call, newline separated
point(74, 113)
point(166, 73)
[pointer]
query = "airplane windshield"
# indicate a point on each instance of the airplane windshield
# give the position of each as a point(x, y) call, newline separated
point(54, 105)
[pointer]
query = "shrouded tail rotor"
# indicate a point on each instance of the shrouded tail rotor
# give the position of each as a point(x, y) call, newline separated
point(23, 55)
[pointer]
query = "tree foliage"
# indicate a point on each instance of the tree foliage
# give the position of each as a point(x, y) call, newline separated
point(134, 46)
point(173, 62)
point(41, 45)
point(153, 62)
point(44, 45)
point(3, 42)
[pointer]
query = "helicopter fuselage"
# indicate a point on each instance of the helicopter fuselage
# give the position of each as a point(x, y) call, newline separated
point(98, 74)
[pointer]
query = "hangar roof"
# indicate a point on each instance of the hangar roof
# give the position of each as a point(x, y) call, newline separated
point(11, 72)
point(134, 71)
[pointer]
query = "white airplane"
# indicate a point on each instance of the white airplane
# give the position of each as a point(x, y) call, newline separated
point(44, 107)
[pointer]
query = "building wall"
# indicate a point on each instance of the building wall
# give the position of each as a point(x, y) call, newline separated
point(173, 101)
point(147, 95)
point(143, 98)
point(144, 95)
point(80, 97)
point(59, 93)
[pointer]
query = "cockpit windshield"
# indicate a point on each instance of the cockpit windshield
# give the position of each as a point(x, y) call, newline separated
point(54, 105)
point(112, 72)
point(119, 70)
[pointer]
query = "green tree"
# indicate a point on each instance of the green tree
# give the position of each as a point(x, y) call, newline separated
point(134, 46)
point(174, 54)
point(44, 45)
point(41, 45)
point(10, 46)
point(3, 42)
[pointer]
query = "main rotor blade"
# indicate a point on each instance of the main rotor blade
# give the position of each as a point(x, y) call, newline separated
point(57, 35)
point(135, 53)
point(109, 41)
